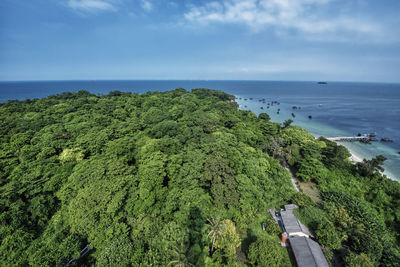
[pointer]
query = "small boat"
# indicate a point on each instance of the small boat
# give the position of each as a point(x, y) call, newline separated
point(385, 139)
point(322, 83)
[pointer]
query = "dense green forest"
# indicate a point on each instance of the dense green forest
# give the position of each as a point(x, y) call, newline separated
point(179, 179)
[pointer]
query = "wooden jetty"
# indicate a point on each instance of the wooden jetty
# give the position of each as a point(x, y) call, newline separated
point(351, 138)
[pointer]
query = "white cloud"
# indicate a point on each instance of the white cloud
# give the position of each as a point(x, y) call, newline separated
point(146, 5)
point(172, 4)
point(92, 5)
point(254, 13)
point(107, 5)
point(312, 17)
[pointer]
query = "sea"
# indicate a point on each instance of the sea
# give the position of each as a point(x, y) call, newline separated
point(336, 108)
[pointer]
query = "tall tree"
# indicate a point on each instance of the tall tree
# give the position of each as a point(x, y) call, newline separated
point(215, 226)
point(179, 257)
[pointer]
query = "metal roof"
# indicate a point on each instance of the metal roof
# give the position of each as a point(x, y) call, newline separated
point(292, 224)
point(291, 206)
point(307, 252)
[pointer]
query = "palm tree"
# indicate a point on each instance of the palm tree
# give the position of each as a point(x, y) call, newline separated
point(215, 225)
point(287, 123)
point(180, 259)
point(371, 167)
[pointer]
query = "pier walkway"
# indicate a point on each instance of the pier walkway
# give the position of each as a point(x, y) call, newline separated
point(350, 138)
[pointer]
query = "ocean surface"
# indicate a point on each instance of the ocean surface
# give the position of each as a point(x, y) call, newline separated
point(337, 108)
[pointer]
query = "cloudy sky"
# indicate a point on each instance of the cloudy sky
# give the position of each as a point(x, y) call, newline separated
point(334, 40)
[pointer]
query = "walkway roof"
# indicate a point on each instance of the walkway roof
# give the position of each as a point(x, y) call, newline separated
point(307, 252)
point(292, 224)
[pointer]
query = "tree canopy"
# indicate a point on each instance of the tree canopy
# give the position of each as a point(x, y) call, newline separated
point(177, 179)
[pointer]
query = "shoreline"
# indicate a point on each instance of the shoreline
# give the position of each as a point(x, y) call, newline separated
point(357, 155)
point(355, 158)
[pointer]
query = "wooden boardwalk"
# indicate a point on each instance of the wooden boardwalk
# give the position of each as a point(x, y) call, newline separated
point(350, 138)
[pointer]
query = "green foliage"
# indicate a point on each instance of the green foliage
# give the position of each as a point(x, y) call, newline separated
point(165, 128)
point(13, 248)
point(311, 216)
point(179, 257)
point(266, 252)
point(327, 235)
point(301, 200)
point(137, 176)
point(71, 155)
point(369, 168)
point(334, 155)
point(390, 256)
point(219, 179)
point(310, 169)
point(362, 242)
point(287, 123)
point(355, 260)
point(229, 240)
point(351, 204)
point(271, 227)
point(118, 252)
point(264, 116)
point(360, 212)
point(215, 227)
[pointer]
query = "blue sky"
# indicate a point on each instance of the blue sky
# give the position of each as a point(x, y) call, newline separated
point(334, 40)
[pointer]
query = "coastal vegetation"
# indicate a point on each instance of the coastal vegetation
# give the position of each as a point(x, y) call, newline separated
point(178, 179)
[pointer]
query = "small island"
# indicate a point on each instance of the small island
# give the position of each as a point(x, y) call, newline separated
point(186, 177)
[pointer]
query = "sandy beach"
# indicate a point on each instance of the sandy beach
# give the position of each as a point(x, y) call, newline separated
point(354, 157)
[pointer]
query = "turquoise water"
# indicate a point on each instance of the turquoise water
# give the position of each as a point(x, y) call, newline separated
point(337, 109)
point(331, 119)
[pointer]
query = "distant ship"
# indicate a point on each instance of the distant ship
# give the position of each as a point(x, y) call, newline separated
point(322, 83)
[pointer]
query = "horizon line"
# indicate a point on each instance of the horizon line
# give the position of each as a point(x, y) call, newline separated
point(203, 80)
